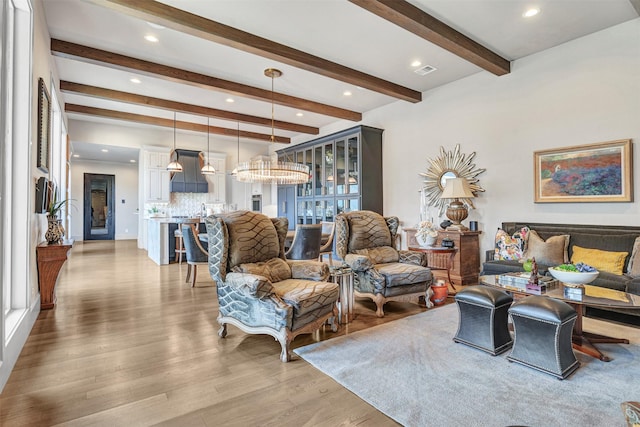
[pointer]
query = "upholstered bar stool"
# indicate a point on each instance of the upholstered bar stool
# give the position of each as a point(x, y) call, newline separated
point(484, 318)
point(542, 335)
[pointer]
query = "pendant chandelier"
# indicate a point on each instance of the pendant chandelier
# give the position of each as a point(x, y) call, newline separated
point(208, 169)
point(268, 172)
point(174, 166)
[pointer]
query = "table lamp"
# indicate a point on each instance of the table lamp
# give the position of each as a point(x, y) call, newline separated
point(457, 188)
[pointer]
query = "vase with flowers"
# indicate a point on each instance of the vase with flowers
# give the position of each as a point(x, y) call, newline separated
point(426, 233)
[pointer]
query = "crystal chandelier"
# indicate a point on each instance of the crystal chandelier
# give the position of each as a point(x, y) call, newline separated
point(269, 172)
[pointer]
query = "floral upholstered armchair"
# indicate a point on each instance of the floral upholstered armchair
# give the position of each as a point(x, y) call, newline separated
point(382, 273)
point(258, 290)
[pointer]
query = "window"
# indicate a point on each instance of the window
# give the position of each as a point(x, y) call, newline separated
point(15, 160)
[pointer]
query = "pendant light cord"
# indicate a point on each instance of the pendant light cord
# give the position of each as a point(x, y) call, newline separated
point(273, 137)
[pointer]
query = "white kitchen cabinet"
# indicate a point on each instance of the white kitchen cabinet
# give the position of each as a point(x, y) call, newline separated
point(156, 159)
point(218, 181)
point(156, 177)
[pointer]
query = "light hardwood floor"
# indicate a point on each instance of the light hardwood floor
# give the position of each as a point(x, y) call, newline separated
point(130, 343)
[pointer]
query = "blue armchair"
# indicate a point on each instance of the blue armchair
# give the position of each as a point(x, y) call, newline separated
point(259, 291)
point(382, 273)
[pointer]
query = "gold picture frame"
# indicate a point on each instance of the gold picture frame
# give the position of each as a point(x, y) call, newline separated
point(44, 126)
point(601, 172)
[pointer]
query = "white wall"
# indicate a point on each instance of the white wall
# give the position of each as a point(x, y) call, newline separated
point(584, 91)
point(126, 188)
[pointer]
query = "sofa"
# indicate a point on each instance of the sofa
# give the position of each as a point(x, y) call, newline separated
point(600, 237)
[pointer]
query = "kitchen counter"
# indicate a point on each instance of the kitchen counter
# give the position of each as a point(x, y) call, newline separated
point(160, 238)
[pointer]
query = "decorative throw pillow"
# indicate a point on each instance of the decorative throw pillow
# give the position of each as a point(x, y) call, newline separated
point(275, 270)
point(551, 252)
point(634, 261)
point(610, 262)
point(511, 247)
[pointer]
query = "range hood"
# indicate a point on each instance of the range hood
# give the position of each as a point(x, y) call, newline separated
point(190, 180)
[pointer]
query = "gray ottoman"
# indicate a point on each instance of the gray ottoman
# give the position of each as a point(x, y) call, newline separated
point(542, 335)
point(484, 318)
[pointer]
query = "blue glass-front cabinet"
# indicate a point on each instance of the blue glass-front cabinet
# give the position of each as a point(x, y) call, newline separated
point(346, 175)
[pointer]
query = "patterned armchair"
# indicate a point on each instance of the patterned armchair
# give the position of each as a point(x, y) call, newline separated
point(258, 290)
point(382, 273)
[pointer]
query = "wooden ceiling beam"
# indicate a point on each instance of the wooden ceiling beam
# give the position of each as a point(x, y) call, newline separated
point(131, 98)
point(121, 62)
point(157, 121)
point(418, 22)
point(216, 32)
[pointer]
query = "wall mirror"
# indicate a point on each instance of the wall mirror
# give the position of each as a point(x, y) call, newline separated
point(449, 164)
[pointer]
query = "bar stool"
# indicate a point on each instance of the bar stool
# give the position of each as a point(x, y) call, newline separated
point(179, 245)
point(543, 329)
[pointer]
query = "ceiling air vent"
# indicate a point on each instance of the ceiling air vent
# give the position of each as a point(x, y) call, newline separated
point(423, 71)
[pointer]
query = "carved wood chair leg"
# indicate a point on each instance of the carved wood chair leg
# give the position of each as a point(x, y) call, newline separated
point(379, 300)
point(427, 299)
point(188, 273)
point(285, 354)
point(222, 332)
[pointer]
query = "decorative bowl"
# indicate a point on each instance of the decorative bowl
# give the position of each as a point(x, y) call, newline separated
point(574, 277)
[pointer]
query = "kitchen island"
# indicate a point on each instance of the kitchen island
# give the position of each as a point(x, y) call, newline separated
point(161, 239)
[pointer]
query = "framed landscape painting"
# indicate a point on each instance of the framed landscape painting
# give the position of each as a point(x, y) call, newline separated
point(601, 172)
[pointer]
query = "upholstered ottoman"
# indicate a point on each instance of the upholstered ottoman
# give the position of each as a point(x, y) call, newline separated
point(484, 318)
point(542, 335)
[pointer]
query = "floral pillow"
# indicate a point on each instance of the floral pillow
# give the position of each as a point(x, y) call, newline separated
point(511, 247)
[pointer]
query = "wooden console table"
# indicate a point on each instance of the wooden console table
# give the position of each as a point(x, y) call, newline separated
point(50, 260)
point(466, 264)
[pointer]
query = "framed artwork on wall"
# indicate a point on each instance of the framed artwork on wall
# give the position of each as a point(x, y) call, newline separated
point(44, 126)
point(601, 172)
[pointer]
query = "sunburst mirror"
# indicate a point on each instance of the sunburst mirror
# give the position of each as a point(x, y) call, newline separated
point(450, 164)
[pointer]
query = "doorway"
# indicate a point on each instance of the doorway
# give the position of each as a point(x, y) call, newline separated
point(99, 201)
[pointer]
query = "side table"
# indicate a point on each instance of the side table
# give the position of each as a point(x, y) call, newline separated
point(50, 260)
point(439, 259)
point(343, 276)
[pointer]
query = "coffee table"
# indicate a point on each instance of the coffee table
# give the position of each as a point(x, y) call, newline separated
point(594, 296)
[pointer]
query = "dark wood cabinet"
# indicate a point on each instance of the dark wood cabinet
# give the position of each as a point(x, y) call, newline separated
point(466, 264)
point(346, 175)
point(50, 260)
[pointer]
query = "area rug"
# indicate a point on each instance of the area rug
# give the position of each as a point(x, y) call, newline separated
point(412, 371)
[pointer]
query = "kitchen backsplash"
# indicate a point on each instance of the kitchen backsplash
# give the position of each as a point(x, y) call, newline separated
point(187, 204)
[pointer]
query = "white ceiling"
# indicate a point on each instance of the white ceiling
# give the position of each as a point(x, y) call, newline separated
point(335, 30)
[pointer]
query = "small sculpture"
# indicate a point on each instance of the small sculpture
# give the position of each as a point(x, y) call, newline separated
point(533, 279)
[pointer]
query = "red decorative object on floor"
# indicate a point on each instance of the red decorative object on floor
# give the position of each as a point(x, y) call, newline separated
point(440, 292)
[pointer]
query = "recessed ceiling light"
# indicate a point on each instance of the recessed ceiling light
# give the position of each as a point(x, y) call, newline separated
point(156, 26)
point(151, 38)
point(76, 155)
point(531, 12)
point(132, 161)
point(135, 80)
point(346, 93)
point(416, 63)
point(299, 114)
point(104, 150)
point(230, 100)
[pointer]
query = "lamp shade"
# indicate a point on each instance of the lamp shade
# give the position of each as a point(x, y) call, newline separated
point(457, 188)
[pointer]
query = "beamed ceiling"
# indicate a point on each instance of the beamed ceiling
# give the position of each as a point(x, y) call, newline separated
point(210, 51)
